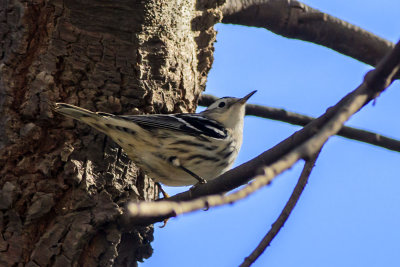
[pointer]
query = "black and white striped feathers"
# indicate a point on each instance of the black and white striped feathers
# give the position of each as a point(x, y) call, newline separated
point(174, 148)
point(193, 124)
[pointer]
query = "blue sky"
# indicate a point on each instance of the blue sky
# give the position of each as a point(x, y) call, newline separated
point(349, 213)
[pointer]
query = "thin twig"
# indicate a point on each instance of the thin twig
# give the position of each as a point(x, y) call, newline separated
point(280, 221)
point(302, 120)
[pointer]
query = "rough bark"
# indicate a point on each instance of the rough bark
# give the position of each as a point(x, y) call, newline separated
point(62, 184)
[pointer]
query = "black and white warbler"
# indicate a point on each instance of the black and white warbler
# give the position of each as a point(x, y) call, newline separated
point(175, 149)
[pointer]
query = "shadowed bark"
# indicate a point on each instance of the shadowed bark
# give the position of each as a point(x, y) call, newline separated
point(62, 184)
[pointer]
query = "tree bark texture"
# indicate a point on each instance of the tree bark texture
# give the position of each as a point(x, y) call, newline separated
point(63, 186)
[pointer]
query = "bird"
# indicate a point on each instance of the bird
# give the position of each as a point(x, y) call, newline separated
point(174, 149)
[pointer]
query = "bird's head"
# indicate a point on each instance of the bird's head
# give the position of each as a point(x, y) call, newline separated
point(229, 111)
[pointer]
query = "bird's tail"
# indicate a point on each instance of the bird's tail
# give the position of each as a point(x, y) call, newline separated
point(101, 121)
point(74, 112)
point(97, 120)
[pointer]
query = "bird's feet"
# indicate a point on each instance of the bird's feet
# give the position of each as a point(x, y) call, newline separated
point(165, 195)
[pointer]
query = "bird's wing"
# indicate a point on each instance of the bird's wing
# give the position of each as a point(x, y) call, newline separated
point(192, 124)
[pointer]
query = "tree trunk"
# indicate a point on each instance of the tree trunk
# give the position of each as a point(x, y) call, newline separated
point(62, 184)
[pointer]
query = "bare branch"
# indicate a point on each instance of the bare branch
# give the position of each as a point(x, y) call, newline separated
point(302, 144)
point(287, 210)
point(302, 120)
point(171, 208)
point(294, 19)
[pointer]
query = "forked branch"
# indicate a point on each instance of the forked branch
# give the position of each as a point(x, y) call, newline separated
point(287, 210)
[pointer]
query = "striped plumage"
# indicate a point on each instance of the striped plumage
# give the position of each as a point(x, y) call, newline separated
point(174, 148)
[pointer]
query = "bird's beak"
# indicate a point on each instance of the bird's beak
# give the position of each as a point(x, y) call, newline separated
point(244, 99)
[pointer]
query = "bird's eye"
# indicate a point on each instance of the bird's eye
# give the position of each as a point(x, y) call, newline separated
point(221, 105)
